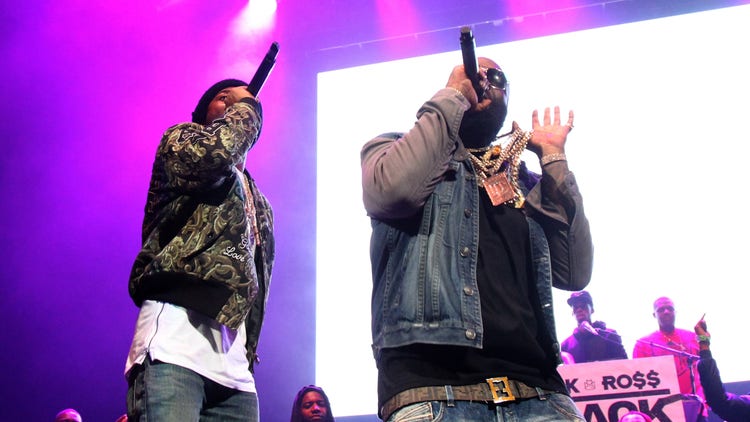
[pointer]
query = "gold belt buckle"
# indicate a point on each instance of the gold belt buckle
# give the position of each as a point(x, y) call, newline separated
point(500, 389)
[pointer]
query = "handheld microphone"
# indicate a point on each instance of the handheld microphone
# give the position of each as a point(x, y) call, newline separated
point(587, 326)
point(263, 70)
point(471, 66)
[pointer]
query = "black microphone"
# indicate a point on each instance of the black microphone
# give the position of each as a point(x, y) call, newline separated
point(263, 70)
point(471, 66)
point(587, 326)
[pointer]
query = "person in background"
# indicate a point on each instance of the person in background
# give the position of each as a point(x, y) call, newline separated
point(68, 415)
point(591, 341)
point(678, 341)
point(466, 246)
point(728, 406)
point(566, 358)
point(201, 278)
point(635, 416)
point(311, 405)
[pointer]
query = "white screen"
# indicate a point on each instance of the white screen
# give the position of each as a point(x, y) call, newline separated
point(658, 149)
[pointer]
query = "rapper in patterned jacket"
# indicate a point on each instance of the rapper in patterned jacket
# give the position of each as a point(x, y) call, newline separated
point(201, 277)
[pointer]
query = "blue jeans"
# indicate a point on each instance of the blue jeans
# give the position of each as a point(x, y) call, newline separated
point(160, 391)
point(553, 407)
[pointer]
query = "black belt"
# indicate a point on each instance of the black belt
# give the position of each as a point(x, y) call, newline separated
point(493, 390)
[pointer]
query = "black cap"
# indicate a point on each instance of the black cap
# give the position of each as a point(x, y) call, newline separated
point(199, 115)
point(582, 296)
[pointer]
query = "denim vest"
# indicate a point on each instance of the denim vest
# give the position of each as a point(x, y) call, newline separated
point(424, 270)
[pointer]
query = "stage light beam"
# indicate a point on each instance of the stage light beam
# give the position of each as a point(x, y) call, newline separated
point(257, 16)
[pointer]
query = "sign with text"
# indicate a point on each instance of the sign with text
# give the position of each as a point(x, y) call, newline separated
point(604, 391)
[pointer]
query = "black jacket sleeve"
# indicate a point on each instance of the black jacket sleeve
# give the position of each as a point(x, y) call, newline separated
point(728, 406)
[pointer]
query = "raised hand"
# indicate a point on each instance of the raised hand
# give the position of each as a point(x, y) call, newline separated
point(549, 136)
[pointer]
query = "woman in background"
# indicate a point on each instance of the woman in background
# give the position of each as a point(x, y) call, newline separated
point(311, 405)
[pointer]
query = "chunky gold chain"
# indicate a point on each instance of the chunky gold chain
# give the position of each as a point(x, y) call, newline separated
point(249, 206)
point(490, 159)
point(489, 162)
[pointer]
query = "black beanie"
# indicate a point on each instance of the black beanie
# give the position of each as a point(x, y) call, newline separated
point(199, 115)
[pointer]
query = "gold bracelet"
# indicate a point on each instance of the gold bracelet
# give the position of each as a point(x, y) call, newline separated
point(549, 158)
point(458, 91)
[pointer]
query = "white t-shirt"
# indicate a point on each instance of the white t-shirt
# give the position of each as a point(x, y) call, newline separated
point(173, 334)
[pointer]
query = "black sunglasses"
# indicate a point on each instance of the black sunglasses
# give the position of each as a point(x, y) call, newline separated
point(496, 78)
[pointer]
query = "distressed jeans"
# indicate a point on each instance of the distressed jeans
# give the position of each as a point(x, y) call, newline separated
point(164, 392)
point(550, 408)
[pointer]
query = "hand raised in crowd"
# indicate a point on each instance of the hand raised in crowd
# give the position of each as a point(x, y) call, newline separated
point(704, 337)
point(550, 135)
point(701, 328)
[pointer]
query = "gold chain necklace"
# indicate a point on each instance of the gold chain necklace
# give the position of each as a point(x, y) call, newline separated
point(249, 206)
point(490, 159)
point(488, 164)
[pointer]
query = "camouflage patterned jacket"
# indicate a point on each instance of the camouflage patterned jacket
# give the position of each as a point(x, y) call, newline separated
point(208, 231)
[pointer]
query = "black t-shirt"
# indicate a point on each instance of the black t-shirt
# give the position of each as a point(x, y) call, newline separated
point(513, 342)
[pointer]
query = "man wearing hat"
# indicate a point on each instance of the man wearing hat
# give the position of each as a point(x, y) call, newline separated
point(591, 341)
point(201, 277)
